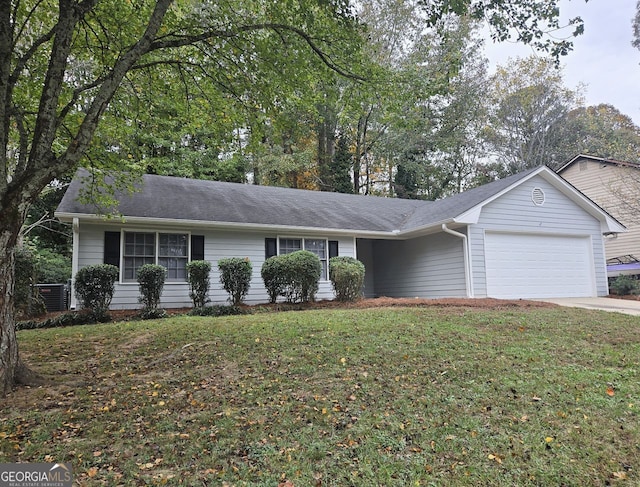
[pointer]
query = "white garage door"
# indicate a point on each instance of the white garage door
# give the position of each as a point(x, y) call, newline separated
point(538, 266)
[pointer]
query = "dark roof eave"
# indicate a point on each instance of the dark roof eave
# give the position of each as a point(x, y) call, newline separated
point(170, 222)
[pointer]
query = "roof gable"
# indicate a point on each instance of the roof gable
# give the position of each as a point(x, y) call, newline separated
point(601, 160)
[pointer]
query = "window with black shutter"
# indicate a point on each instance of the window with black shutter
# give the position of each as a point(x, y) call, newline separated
point(197, 247)
point(270, 247)
point(333, 248)
point(112, 248)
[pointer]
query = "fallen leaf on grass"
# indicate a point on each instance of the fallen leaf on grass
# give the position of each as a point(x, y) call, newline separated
point(495, 458)
point(610, 391)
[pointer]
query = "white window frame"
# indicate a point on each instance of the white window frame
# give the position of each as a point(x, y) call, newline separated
point(156, 256)
point(324, 276)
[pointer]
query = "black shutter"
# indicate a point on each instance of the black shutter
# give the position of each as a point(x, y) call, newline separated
point(270, 247)
point(333, 248)
point(112, 248)
point(197, 247)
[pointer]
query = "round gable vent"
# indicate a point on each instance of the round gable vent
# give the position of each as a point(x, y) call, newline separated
point(537, 196)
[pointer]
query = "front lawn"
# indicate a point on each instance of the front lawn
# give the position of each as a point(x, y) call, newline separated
point(434, 395)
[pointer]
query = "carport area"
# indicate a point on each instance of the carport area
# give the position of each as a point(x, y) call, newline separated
point(625, 306)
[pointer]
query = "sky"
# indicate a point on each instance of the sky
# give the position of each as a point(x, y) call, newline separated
point(603, 58)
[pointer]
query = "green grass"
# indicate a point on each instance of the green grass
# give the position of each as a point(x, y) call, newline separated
point(382, 397)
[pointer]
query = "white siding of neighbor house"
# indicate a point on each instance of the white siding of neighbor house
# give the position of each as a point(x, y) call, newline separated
point(426, 267)
point(515, 212)
point(219, 244)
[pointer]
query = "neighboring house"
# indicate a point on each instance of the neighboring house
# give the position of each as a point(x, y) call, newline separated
point(607, 182)
point(531, 235)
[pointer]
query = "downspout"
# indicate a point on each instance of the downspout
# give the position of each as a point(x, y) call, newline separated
point(468, 273)
point(74, 260)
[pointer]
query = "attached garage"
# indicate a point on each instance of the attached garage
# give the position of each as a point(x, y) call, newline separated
point(523, 265)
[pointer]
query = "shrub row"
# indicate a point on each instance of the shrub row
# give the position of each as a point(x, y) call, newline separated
point(293, 276)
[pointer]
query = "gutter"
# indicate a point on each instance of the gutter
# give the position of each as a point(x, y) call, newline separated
point(260, 227)
point(468, 272)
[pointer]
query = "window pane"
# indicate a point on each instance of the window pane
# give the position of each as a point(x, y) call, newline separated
point(173, 244)
point(139, 249)
point(172, 254)
point(318, 247)
point(288, 245)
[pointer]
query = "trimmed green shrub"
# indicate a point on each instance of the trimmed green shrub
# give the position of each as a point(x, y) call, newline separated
point(273, 276)
point(95, 285)
point(151, 282)
point(198, 277)
point(235, 277)
point(303, 269)
point(294, 276)
point(624, 285)
point(347, 276)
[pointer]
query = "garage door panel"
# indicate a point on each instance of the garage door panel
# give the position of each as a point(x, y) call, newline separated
point(538, 266)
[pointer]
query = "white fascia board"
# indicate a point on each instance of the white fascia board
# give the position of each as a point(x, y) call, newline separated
point(171, 222)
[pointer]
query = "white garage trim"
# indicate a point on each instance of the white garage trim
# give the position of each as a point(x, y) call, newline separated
point(523, 265)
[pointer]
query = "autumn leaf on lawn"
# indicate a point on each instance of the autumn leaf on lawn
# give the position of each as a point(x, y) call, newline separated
point(610, 391)
point(495, 458)
point(92, 472)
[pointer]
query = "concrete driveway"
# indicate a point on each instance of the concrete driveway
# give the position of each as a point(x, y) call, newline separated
point(604, 304)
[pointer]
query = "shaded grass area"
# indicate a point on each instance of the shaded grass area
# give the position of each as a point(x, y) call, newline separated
point(388, 396)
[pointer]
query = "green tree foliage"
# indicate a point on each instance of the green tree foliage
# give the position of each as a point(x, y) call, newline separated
point(601, 130)
point(339, 179)
point(52, 267)
point(529, 103)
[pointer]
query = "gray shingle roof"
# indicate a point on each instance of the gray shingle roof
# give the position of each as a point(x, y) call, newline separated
point(175, 198)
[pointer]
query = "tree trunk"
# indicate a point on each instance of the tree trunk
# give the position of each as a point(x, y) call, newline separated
point(9, 359)
point(12, 370)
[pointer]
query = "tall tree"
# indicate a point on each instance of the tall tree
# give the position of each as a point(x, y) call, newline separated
point(66, 66)
point(528, 101)
point(601, 131)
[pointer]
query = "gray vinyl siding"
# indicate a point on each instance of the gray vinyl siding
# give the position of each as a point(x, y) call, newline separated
point(219, 244)
point(427, 267)
point(365, 255)
point(516, 212)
